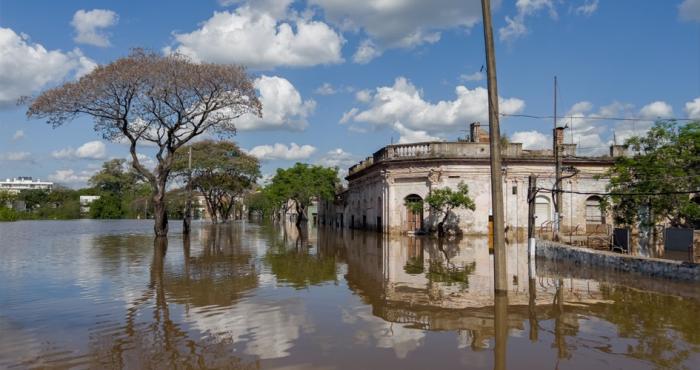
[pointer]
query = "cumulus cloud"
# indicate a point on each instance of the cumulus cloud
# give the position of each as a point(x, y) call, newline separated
point(254, 36)
point(399, 24)
point(89, 26)
point(337, 158)
point(90, 150)
point(16, 156)
point(476, 76)
point(689, 10)
point(283, 152)
point(19, 135)
point(366, 51)
point(363, 96)
point(406, 135)
point(325, 89)
point(402, 107)
point(26, 67)
point(515, 26)
point(283, 107)
point(587, 8)
point(692, 108)
point(657, 109)
point(72, 177)
point(532, 139)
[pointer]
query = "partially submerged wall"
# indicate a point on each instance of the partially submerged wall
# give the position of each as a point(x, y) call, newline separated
point(619, 262)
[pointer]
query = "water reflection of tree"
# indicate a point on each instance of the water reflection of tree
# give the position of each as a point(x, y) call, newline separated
point(297, 262)
point(158, 341)
point(655, 321)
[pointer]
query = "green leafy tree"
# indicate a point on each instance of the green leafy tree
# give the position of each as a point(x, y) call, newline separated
point(149, 98)
point(302, 184)
point(221, 172)
point(34, 198)
point(660, 177)
point(107, 207)
point(443, 201)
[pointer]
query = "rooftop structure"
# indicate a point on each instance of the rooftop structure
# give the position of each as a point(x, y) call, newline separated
point(17, 184)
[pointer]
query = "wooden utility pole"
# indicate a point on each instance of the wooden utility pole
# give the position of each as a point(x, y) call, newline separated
point(187, 221)
point(557, 169)
point(499, 248)
point(531, 194)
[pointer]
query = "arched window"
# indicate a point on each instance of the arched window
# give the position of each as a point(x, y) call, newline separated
point(594, 215)
point(543, 210)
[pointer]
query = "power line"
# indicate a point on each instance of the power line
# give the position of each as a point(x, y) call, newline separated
point(599, 118)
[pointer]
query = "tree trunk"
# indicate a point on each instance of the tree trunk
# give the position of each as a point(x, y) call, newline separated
point(160, 213)
point(300, 213)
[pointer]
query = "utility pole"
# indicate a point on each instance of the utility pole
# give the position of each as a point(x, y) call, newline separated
point(499, 248)
point(188, 204)
point(557, 169)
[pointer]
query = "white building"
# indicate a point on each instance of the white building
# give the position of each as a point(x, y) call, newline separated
point(85, 201)
point(380, 187)
point(18, 184)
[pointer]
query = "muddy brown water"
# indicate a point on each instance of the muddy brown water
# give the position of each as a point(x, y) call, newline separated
point(102, 294)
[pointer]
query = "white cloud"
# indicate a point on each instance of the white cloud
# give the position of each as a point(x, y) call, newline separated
point(89, 26)
point(283, 152)
point(255, 37)
point(19, 135)
point(532, 139)
point(515, 26)
point(413, 136)
point(16, 156)
point(403, 104)
point(90, 150)
point(692, 108)
point(338, 158)
point(657, 109)
point(476, 76)
point(69, 176)
point(325, 89)
point(363, 96)
point(283, 107)
point(587, 8)
point(689, 10)
point(400, 24)
point(366, 52)
point(26, 67)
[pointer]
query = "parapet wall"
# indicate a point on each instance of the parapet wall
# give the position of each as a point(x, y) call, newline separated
point(654, 267)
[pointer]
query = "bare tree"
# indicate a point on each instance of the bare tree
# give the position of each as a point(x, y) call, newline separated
point(149, 99)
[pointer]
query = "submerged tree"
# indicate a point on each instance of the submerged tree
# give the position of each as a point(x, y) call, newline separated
point(221, 172)
point(660, 179)
point(443, 201)
point(149, 99)
point(302, 184)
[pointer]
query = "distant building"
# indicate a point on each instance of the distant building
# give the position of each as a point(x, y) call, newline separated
point(18, 184)
point(380, 186)
point(85, 201)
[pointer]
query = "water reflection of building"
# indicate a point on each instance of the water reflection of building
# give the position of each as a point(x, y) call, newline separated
point(380, 186)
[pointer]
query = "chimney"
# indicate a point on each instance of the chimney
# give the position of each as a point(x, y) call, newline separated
point(558, 137)
point(475, 131)
point(618, 151)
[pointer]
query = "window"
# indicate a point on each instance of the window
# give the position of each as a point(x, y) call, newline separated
point(593, 213)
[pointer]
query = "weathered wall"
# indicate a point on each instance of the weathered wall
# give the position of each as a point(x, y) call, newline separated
point(619, 262)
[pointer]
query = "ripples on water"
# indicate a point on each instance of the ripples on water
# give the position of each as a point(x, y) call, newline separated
point(102, 294)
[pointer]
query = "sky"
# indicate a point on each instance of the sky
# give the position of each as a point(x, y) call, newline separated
point(340, 79)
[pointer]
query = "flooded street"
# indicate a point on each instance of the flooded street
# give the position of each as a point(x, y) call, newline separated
point(100, 294)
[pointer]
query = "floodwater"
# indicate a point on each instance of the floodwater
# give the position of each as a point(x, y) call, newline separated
point(102, 294)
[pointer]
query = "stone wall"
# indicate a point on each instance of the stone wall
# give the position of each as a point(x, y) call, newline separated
point(619, 262)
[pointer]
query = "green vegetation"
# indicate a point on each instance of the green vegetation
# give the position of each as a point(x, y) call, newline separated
point(300, 184)
point(442, 202)
point(659, 178)
point(221, 172)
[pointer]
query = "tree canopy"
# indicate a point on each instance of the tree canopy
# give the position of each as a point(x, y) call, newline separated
point(221, 172)
point(301, 184)
point(162, 101)
point(660, 178)
point(443, 201)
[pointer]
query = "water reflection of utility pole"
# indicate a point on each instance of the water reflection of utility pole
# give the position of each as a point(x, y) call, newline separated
point(501, 329)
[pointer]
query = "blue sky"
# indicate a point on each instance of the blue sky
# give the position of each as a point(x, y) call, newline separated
point(339, 79)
